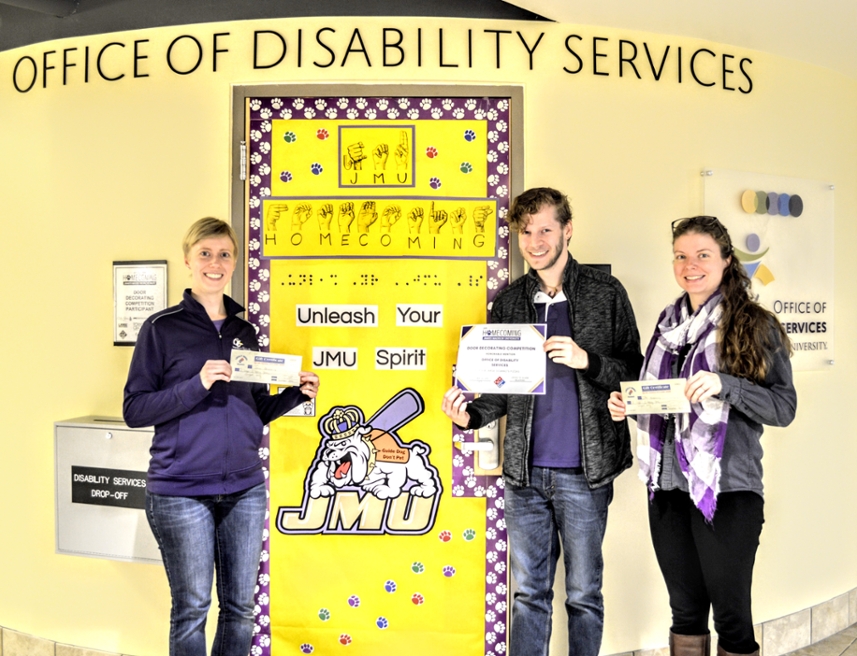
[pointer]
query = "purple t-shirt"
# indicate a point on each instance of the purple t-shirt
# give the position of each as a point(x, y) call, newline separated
point(556, 416)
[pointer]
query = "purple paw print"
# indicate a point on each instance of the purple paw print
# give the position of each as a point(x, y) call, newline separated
point(307, 648)
point(390, 586)
point(286, 176)
point(316, 168)
point(435, 183)
point(449, 571)
point(469, 135)
point(354, 601)
point(382, 623)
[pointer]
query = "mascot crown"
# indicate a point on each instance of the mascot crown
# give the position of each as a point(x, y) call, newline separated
point(342, 423)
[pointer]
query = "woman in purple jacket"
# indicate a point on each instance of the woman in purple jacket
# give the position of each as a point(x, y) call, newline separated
point(206, 497)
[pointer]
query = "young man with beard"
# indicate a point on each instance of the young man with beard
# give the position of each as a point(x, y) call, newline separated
point(562, 450)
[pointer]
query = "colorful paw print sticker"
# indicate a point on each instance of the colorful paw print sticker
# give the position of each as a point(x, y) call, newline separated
point(322, 134)
point(418, 599)
point(469, 534)
point(316, 168)
point(345, 639)
point(354, 601)
point(445, 536)
point(286, 176)
point(466, 167)
point(469, 135)
point(449, 571)
point(307, 648)
point(390, 586)
point(434, 183)
point(418, 568)
point(324, 614)
point(431, 152)
point(290, 137)
point(382, 623)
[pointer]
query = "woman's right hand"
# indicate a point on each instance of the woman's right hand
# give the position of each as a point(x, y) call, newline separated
point(214, 370)
point(454, 406)
point(616, 406)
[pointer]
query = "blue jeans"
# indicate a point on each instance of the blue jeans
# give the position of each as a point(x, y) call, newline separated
point(557, 506)
point(198, 535)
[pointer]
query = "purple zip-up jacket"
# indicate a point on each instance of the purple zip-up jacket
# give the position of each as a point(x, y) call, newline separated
point(206, 440)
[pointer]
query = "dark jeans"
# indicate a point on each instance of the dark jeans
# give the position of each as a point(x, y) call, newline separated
point(709, 565)
point(199, 536)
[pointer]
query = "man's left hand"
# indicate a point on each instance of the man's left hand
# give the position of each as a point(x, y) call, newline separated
point(563, 350)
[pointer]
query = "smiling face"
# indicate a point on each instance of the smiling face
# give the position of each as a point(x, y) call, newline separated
point(211, 262)
point(544, 242)
point(698, 266)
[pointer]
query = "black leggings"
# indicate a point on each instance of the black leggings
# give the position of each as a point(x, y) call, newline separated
point(709, 565)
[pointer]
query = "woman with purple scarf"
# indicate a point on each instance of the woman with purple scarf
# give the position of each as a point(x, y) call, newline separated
point(703, 468)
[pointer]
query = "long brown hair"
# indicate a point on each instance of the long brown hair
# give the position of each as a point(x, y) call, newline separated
point(747, 342)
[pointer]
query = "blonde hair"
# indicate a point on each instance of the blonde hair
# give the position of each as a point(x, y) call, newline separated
point(209, 227)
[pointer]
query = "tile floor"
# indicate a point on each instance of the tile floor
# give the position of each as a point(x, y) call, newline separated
point(843, 643)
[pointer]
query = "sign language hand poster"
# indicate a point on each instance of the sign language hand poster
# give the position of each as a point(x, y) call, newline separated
point(376, 230)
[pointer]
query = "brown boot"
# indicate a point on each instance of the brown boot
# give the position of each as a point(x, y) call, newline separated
point(690, 645)
point(723, 652)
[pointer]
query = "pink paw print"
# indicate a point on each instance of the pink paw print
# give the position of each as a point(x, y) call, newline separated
point(445, 536)
point(345, 639)
point(418, 599)
point(322, 134)
point(431, 152)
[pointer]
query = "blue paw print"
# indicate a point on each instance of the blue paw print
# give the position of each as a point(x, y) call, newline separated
point(290, 137)
point(382, 623)
point(469, 135)
point(316, 168)
point(390, 586)
point(286, 176)
point(466, 167)
point(435, 183)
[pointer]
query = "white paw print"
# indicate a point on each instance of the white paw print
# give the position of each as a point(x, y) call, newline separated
point(499, 502)
point(493, 179)
point(392, 113)
point(491, 513)
point(265, 620)
point(309, 112)
point(500, 627)
point(501, 546)
point(490, 638)
point(491, 556)
point(263, 340)
point(502, 126)
point(436, 112)
point(298, 103)
point(285, 113)
point(253, 263)
point(479, 491)
point(265, 147)
point(493, 136)
point(264, 556)
point(470, 103)
point(501, 647)
point(503, 212)
point(265, 535)
point(255, 285)
point(370, 114)
point(492, 264)
point(404, 103)
point(264, 169)
point(479, 114)
point(501, 606)
point(276, 103)
point(492, 114)
point(467, 471)
point(413, 113)
point(256, 650)
point(501, 588)
point(491, 492)
point(255, 180)
point(470, 482)
point(492, 156)
point(490, 597)
point(500, 567)
point(342, 103)
point(266, 113)
point(254, 244)
point(502, 168)
point(255, 104)
point(320, 103)
point(264, 297)
point(490, 616)
point(254, 203)
point(457, 461)
point(264, 192)
point(265, 640)
point(491, 578)
point(351, 113)
point(490, 534)
point(255, 135)
point(257, 609)
point(264, 320)
point(263, 599)
point(255, 158)
point(446, 103)
point(503, 105)
point(264, 452)
point(503, 146)
point(502, 191)
point(264, 274)
point(458, 112)
point(492, 284)
point(504, 231)
point(425, 103)
point(502, 253)
point(254, 308)
point(361, 103)
point(382, 103)
point(264, 579)
point(458, 491)
point(331, 112)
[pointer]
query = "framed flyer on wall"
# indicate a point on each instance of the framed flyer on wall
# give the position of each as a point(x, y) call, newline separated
point(139, 290)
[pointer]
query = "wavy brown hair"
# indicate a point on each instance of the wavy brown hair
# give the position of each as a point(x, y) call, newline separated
point(747, 341)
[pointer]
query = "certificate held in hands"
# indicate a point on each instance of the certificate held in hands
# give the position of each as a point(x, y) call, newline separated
point(655, 397)
point(502, 359)
point(265, 368)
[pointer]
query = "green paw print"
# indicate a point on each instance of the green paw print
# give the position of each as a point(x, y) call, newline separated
point(290, 137)
point(418, 568)
point(469, 534)
point(466, 167)
point(324, 614)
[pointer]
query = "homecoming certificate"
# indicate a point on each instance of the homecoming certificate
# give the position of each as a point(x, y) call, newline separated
point(655, 397)
point(505, 358)
point(266, 368)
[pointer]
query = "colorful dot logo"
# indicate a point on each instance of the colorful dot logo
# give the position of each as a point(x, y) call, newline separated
point(764, 202)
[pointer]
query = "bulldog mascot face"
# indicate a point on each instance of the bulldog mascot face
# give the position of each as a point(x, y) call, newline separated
point(369, 455)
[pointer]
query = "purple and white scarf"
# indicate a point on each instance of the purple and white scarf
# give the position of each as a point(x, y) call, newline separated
point(701, 433)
